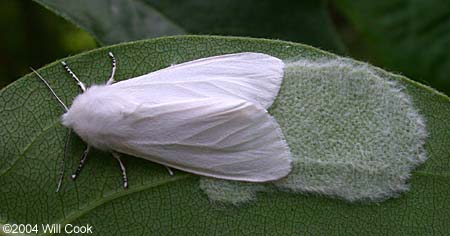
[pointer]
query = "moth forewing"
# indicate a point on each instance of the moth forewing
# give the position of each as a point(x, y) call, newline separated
point(206, 117)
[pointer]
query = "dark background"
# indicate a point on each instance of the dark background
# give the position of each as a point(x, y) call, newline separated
point(33, 36)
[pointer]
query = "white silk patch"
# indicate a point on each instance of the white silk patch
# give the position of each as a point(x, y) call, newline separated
point(353, 134)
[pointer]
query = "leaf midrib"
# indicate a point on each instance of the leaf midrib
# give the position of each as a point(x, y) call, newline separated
point(116, 195)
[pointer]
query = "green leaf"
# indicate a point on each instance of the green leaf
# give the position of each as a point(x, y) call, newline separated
point(115, 21)
point(411, 37)
point(32, 143)
point(118, 20)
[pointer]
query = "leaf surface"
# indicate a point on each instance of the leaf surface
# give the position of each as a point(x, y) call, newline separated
point(32, 143)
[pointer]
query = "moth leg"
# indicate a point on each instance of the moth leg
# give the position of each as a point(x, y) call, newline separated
point(122, 168)
point(169, 170)
point(81, 164)
point(82, 86)
point(113, 71)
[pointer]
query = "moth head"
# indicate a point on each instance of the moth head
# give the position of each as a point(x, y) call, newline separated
point(83, 115)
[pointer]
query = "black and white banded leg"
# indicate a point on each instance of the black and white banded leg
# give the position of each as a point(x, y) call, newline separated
point(122, 168)
point(82, 162)
point(81, 84)
point(169, 170)
point(113, 71)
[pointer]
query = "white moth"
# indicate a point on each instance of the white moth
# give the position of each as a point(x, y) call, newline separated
point(208, 117)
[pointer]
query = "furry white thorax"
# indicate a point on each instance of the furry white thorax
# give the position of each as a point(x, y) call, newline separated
point(97, 112)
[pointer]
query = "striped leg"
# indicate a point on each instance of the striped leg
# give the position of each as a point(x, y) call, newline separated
point(169, 170)
point(82, 86)
point(122, 168)
point(82, 162)
point(113, 71)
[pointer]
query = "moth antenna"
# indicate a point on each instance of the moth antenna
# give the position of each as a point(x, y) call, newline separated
point(81, 84)
point(63, 162)
point(51, 90)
